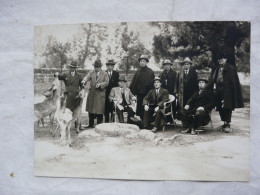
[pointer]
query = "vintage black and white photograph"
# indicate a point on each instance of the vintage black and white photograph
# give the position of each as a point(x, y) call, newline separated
point(143, 100)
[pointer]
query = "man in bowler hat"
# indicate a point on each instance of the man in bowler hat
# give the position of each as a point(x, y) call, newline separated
point(113, 82)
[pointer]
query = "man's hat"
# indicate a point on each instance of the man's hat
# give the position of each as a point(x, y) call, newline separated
point(111, 62)
point(221, 55)
point(186, 60)
point(122, 78)
point(144, 57)
point(97, 63)
point(156, 79)
point(73, 64)
point(203, 79)
point(167, 61)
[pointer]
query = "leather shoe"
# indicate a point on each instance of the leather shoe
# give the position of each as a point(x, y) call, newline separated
point(186, 131)
point(88, 126)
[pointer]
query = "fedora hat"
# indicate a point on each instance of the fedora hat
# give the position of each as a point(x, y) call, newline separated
point(186, 60)
point(156, 79)
point(73, 64)
point(203, 79)
point(145, 57)
point(97, 63)
point(167, 61)
point(122, 78)
point(110, 62)
point(221, 55)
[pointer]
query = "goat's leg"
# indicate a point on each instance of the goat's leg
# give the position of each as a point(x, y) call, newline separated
point(54, 132)
point(69, 140)
point(78, 125)
point(63, 133)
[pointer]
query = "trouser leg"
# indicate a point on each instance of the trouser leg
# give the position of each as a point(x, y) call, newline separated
point(130, 113)
point(140, 108)
point(120, 115)
point(225, 114)
point(99, 118)
point(201, 118)
point(158, 118)
point(91, 119)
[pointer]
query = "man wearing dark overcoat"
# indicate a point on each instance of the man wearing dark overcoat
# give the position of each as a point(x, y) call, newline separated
point(142, 83)
point(113, 82)
point(153, 105)
point(72, 80)
point(186, 84)
point(96, 96)
point(168, 78)
point(196, 112)
point(227, 90)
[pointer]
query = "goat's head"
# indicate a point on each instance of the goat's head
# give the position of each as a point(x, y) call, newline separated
point(81, 94)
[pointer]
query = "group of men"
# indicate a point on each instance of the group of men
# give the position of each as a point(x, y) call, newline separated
point(194, 97)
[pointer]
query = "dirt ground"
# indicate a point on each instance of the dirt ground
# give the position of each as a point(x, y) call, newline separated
point(212, 155)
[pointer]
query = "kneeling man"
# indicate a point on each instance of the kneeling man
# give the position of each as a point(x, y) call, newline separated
point(153, 105)
point(196, 111)
point(122, 97)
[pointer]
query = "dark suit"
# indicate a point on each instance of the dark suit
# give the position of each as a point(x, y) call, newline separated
point(72, 88)
point(113, 82)
point(195, 118)
point(153, 101)
point(186, 85)
point(169, 82)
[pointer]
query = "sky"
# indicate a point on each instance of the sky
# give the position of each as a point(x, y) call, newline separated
point(65, 32)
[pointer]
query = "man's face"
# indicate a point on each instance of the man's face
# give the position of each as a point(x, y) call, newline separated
point(110, 67)
point(157, 84)
point(167, 67)
point(143, 62)
point(72, 69)
point(222, 61)
point(97, 69)
point(121, 84)
point(187, 66)
point(202, 85)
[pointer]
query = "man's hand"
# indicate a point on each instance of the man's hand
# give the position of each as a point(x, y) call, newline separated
point(156, 109)
point(120, 107)
point(146, 108)
point(222, 102)
point(114, 99)
point(133, 98)
point(97, 85)
point(200, 109)
point(187, 107)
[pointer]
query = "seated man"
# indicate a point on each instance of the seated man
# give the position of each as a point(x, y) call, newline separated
point(153, 105)
point(121, 96)
point(196, 111)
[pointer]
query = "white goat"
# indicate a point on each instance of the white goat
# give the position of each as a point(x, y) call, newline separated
point(66, 117)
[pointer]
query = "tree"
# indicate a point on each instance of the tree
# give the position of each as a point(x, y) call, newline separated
point(194, 39)
point(56, 53)
point(132, 49)
point(87, 44)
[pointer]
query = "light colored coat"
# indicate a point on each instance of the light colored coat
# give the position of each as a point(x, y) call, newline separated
point(96, 96)
point(116, 93)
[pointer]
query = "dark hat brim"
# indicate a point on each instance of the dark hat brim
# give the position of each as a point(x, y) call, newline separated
point(122, 80)
point(205, 80)
point(167, 63)
point(147, 60)
point(73, 66)
point(110, 64)
point(157, 80)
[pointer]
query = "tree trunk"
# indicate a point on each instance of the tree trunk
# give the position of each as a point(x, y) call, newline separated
point(83, 59)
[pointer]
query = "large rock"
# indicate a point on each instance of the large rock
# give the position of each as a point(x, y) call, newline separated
point(116, 129)
point(146, 135)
